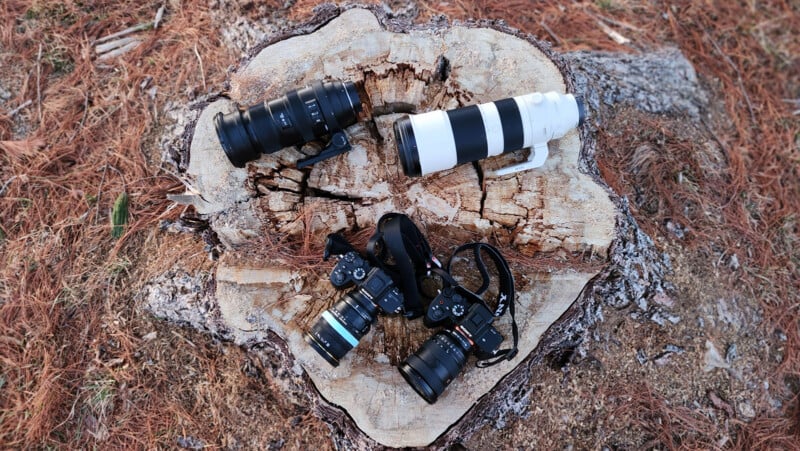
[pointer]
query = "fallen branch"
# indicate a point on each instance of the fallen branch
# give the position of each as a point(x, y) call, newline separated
point(119, 43)
point(616, 37)
point(120, 49)
point(202, 71)
point(16, 110)
point(39, 82)
point(125, 32)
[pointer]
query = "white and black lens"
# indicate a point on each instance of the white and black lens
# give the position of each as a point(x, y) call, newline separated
point(439, 140)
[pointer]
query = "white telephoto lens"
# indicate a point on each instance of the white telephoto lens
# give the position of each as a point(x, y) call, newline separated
point(439, 140)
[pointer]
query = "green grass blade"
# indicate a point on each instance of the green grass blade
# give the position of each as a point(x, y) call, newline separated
point(119, 215)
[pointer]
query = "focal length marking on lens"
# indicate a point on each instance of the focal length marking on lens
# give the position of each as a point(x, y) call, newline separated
point(339, 328)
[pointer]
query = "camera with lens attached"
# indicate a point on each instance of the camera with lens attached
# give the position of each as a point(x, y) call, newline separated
point(300, 116)
point(340, 328)
point(468, 329)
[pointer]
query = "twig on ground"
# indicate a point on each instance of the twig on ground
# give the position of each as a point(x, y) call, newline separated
point(39, 82)
point(159, 15)
point(795, 103)
point(83, 119)
point(202, 71)
point(616, 37)
point(16, 110)
point(552, 34)
point(99, 193)
point(5, 185)
point(120, 50)
point(115, 44)
point(125, 32)
point(119, 43)
point(184, 339)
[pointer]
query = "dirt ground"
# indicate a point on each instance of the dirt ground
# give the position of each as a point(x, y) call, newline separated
point(84, 367)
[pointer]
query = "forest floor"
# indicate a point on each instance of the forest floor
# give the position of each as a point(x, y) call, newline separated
point(82, 366)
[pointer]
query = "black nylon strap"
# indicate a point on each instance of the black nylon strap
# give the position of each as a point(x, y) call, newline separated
point(505, 295)
point(399, 248)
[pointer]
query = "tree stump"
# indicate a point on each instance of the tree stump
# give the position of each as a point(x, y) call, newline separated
point(555, 223)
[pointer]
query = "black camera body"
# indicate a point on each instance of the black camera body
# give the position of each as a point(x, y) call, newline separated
point(385, 281)
point(468, 315)
point(439, 360)
point(342, 326)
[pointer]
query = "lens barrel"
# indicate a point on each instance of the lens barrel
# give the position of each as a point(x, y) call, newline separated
point(300, 116)
point(439, 140)
point(435, 364)
point(340, 328)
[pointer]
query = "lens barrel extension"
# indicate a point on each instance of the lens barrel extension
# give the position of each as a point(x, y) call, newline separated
point(300, 116)
point(340, 328)
point(435, 364)
point(439, 140)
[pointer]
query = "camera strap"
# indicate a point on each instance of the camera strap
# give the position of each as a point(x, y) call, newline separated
point(505, 295)
point(399, 248)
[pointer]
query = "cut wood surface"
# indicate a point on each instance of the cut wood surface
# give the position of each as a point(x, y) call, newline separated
point(555, 214)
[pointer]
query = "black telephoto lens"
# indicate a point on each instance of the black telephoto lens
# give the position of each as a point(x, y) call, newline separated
point(302, 115)
point(341, 327)
point(437, 362)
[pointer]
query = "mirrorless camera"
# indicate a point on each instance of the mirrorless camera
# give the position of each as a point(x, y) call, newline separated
point(468, 329)
point(342, 326)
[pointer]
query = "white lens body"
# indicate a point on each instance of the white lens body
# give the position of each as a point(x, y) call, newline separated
point(547, 116)
point(435, 140)
point(444, 139)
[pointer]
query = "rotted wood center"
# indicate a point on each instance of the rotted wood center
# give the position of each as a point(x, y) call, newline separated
point(555, 214)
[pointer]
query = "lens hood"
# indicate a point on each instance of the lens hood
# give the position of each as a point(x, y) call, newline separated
point(233, 137)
